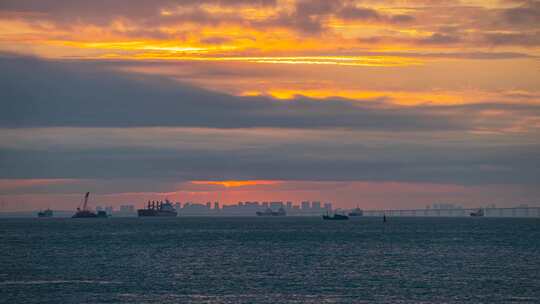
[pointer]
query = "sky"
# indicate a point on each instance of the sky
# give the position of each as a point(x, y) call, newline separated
point(376, 104)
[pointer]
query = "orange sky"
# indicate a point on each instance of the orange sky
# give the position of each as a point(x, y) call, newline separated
point(467, 70)
point(432, 43)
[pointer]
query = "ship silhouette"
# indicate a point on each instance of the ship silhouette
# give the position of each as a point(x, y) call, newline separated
point(83, 212)
point(45, 213)
point(335, 217)
point(155, 208)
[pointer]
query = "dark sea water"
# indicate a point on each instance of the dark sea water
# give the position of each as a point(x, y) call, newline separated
point(270, 260)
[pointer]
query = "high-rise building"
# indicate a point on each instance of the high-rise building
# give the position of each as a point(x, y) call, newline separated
point(305, 205)
point(216, 205)
point(208, 205)
point(289, 205)
point(315, 205)
point(328, 206)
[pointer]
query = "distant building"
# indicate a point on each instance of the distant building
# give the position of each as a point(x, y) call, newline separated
point(328, 206)
point(195, 209)
point(445, 206)
point(276, 205)
point(127, 209)
point(243, 208)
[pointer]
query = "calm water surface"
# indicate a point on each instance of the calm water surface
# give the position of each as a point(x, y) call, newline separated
point(270, 260)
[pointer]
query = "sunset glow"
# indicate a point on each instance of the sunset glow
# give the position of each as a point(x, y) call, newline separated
point(234, 184)
point(241, 100)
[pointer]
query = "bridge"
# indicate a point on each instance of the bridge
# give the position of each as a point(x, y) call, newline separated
point(457, 212)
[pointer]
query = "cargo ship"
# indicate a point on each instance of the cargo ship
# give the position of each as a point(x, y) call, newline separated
point(83, 212)
point(270, 212)
point(45, 213)
point(155, 208)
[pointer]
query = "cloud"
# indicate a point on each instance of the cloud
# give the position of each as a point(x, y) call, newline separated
point(438, 38)
point(420, 24)
point(528, 14)
point(358, 13)
point(103, 12)
point(504, 39)
point(215, 40)
point(354, 13)
point(180, 154)
point(40, 93)
point(117, 126)
point(311, 15)
point(77, 94)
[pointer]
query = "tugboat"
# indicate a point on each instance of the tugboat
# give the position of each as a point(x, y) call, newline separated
point(45, 213)
point(477, 213)
point(84, 212)
point(356, 212)
point(335, 217)
point(270, 212)
point(155, 208)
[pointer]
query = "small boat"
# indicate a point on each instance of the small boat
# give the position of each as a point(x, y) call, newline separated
point(477, 213)
point(335, 217)
point(45, 213)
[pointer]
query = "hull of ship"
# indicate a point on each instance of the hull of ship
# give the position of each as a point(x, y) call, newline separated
point(151, 212)
point(335, 217)
point(84, 215)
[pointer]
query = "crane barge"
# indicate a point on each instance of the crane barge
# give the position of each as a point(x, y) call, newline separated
point(83, 212)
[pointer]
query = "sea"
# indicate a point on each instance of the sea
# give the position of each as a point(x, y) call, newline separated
point(270, 260)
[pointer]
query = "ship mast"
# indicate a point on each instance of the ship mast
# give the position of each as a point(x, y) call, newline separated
point(85, 201)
